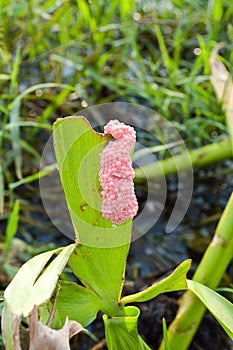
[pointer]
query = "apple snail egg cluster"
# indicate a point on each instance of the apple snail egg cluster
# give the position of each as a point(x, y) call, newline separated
point(116, 174)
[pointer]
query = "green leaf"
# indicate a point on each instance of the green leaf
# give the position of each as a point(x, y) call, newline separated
point(78, 149)
point(102, 271)
point(220, 307)
point(12, 225)
point(76, 302)
point(30, 286)
point(165, 336)
point(86, 13)
point(175, 281)
point(122, 332)
point(99, 261)
point(15, 72)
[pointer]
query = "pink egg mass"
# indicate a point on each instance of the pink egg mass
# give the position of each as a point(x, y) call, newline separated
point(116, 174)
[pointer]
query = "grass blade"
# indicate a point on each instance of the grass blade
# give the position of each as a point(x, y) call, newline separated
point(165, 336)
point(12, 225)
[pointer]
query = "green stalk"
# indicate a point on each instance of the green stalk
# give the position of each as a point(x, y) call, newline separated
point(197, 158)
point(209, 272)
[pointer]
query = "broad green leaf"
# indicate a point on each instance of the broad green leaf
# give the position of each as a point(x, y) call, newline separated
point(102, 271)
point(220, 307)
point(99, 261)
point(78, 148)
point(78, 303)
point(175, 281)
point(12, 225)
point(122, 332)
point(30, 286)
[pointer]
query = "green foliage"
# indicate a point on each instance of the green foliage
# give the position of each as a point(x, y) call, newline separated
point(220, 307)
point(81, 304)
point(165, 336)
point(77, 147)
point(122, 331)
point(175, 281)
point(101, 252)
point(30, 286)
point(104, 247)
point(154, 53)
point(12, 225)
point(98, 51)
point(14, 118)
point(102, 271)
point(209, 272)
point(100, 265)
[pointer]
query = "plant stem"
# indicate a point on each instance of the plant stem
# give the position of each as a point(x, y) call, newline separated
point(198, 158)
point(209, 272)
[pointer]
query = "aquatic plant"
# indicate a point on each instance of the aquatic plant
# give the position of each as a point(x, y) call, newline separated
point(97, 258)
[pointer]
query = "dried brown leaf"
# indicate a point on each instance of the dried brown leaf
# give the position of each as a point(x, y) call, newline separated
point(10, 329)
point(43, 337)
point(223, 85)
